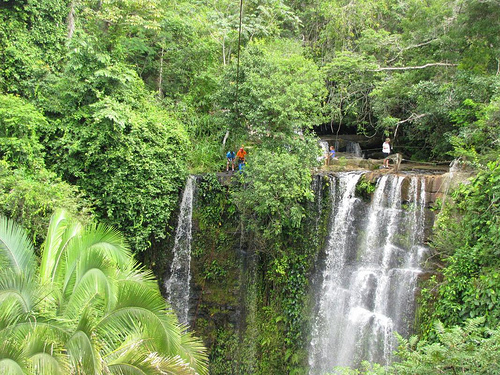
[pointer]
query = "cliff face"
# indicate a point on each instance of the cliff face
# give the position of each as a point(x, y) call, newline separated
point(254, 309)
point(437, 182)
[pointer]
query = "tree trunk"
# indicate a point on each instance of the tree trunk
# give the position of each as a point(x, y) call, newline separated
point(160, 76)
point(71, 20)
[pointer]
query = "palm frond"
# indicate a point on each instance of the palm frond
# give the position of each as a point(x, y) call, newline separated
point(16, 250)
point(45, 348)
point(138, 359)
point(140, 294)
point(108, 239)
point(60, 232)
point(126, 369)
point(36, 333)
point(146, 295)
point(10, 367)
point(93, 310)
point(92, 289)
point(119, 324)
point(10, 312)
point(20, 287)
point(98, 238)
point(140, 274)
point(35, 345)
point(194, 352)
point(83, 354)
point(11, 353)
point(46, 364)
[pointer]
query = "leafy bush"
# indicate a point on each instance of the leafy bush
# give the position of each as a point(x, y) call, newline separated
point(471, 349)
point(111, 138)
point(30, 198)
point(20, 125)
point(29, 193)
point(467, 236)
point(276, 184)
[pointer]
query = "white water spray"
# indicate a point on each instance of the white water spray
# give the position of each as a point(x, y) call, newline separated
point(369, 278)
point(177, 285)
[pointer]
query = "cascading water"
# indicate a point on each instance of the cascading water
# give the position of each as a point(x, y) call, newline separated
point(324, 147)
point(371, 266)
point(354, 148)
point(177, 285)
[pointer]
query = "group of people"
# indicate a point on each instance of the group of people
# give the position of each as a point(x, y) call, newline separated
point(386, 150)
point(329, 155)
point(231, 158)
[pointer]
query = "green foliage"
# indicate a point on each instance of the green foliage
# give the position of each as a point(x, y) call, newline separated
point(350, 79)
point(122, 89)
point(86, 308)
point(20, 124)
point(471, 349)
point(276, 184)
point(279, 90)
point(30, 198)
point(206, 155)
point(29, 193)
point(223, 353)
point(32, 37)
point(477, 35)
point(467, 237)
point(366, 368)
point(215, 266)
point(478, 139)
point(118, 145)
point(365, 188)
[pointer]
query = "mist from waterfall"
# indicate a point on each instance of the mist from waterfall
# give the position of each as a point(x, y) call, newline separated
point(177, 285)
point(368, 279)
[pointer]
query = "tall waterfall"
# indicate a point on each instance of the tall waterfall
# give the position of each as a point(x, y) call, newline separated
point(372, 259)
point(177, 285)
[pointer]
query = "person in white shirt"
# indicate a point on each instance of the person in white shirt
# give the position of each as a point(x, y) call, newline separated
point(386, 149)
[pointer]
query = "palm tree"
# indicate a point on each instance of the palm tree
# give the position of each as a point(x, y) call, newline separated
point(85, 308)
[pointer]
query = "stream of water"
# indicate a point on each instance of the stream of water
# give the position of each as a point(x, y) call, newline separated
point(372, 257)
point(177, 285)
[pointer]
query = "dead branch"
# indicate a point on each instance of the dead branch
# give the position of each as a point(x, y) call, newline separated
point(412, 67)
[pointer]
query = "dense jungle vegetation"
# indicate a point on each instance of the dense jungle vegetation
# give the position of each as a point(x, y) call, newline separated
point(107, 105)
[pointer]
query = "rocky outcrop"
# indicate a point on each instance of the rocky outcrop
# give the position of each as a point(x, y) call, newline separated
point(437, 184)
point(438, 179)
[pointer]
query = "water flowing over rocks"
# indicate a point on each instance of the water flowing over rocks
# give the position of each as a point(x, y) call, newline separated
point(364, 274)
point(372, 259)
point(177, 285)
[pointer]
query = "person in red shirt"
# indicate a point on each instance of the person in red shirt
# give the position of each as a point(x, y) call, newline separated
point(241, 158)
point(241, 154)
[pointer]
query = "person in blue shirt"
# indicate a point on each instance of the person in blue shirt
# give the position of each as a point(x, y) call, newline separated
point(230, 160)
point(332, 152)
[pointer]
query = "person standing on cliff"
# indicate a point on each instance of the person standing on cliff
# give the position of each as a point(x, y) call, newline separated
point(241, 157)
point(386, 149)
point(230, 160)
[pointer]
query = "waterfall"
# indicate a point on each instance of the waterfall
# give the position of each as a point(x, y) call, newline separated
point(372, 259)
point(324, 147)
point(354, 148)
point(452, 177)
point(177, 285)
